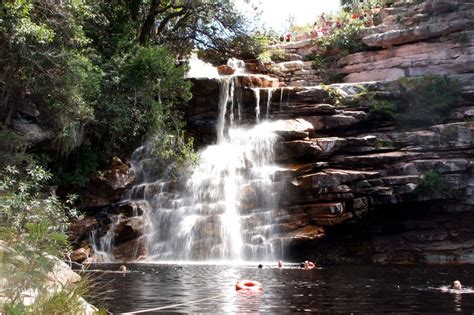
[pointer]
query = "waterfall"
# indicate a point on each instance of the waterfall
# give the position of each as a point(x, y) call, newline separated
point(224, 208)
point(281, 98)
point(239, 99)
point(256, 92)
point(200, 69)
point(269, 100)
point(231, 96)
point(102, 245)
point(223, 99)
point(237, 64)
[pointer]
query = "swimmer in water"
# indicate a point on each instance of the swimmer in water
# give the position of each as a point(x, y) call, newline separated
point(123, 268)
point(260, 266)
point(456, 285)
point(280, 264)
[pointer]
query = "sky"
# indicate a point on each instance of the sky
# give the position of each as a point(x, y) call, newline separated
point(276, 12)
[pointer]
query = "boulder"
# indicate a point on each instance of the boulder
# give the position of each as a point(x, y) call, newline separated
point(80, 230)
point(62, 275)
point(80, 254)
point(128, 229)
point(108, 188)
point(134, 249)
point(32, 134)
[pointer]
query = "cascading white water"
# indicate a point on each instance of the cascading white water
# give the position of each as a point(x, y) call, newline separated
point(200, 69)
point(223, 100)
point(269, 100)
point(225, 208)
point(102, 245)
point(237, 64)
point(256, 92)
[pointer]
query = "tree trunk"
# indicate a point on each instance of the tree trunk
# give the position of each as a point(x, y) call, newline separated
point(149, 22)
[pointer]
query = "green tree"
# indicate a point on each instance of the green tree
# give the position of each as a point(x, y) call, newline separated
point(44, 62)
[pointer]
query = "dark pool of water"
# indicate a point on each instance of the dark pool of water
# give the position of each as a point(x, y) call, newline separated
point(356, 289)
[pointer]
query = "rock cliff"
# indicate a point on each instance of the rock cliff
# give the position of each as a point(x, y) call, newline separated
point(370, 172)
point(428, 38)
point(355, 189)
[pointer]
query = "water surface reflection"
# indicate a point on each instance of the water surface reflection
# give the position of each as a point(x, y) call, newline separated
point(329, 290)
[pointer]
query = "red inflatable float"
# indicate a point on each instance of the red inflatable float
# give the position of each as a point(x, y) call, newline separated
point(248, 285)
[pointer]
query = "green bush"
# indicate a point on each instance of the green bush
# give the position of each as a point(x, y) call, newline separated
point(431, 181)
point(341, 42)
point(32, 228)
point(383, 111)
point(425, 100)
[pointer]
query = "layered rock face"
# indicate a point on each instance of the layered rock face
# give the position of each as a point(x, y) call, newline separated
point(434, 37)
point(352, 190)
point(429, 38)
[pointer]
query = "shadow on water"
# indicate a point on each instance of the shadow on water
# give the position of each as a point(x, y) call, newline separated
point(340, 289)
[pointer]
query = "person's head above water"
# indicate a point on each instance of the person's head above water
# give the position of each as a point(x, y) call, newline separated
point(280, 264)
point(123, 268)
point(456, 285)
point(260, 266)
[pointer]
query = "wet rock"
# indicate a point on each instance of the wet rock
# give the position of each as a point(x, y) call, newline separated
point(225, 70)
point(80, 230)
point(330, 145)
point(127, 209)
point(128, 229)
point(248, 198)
point(305, 234)
point(134, 249)
point(311, 95)
point(256, 81)
point(331, 177)
point(292, 221)
point(304, 110)
point(333, 122)
point(328, 208)
point(297, 150)
point(108, 188)
point(80, 254)
point(292, 129)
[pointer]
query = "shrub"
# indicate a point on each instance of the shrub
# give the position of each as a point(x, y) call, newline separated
point(431, 181)
point(383, 110)
point(342, 41)
point(425, 100)
point(330, 48)
point(32, 227)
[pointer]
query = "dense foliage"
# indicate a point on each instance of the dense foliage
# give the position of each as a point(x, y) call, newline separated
point(103, 74)
point(85, 80)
